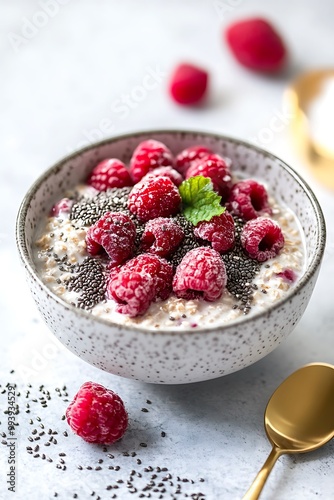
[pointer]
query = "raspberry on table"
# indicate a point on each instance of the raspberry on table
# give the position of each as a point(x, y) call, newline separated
point(187, 156)
point(201, 274)
point(219, 230)
point(97, 414)
point(115, 233)
point(217, 169)
point(147, 156)
point(248, 199)
point(262, 239)
point(256, 44)
point(109, 173)
point(139, 282)
point(161, 236)
point(188, 84)
point(169, 172)
point(154, 197)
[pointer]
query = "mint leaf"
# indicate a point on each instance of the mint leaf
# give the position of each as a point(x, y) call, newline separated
point(200, 201)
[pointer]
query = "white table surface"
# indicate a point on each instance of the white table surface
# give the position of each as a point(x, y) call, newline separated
point(61, 85)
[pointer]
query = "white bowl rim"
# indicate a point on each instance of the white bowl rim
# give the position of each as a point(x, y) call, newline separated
point(311, 269)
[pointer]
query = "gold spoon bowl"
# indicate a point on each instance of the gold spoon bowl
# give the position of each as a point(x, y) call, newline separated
point(300, 95)
point(299, 417)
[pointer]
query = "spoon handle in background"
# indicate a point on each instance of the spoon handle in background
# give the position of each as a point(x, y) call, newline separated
point(256, 487)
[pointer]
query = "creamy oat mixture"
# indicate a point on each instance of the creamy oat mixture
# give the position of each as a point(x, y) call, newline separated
point(60, 245)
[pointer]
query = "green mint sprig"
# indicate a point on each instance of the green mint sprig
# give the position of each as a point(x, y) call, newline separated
point(199, 200)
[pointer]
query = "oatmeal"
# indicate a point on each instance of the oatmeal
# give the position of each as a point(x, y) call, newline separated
point(97, 248)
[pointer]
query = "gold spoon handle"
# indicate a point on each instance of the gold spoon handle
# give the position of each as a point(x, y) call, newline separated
point(256, 487)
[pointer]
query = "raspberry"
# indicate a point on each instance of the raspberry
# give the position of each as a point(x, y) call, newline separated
point(140, 281)
point(109, 173)
point(262, 239)
point(115, 233)
point(157, 268)
point(97, 414)
point(161, 236)
point(256, 45)
point(147, 156)
point(219, 231)
point(248, 199)
point(62, 206)
point(288, 275)
point(169, 172)
point(201, 273)
point(154, 197)
point(217, 169)
point(188, 84)
point(186, 157)
point(133, 291)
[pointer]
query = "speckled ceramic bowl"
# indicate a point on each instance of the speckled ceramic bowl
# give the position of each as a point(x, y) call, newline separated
point(168, 357)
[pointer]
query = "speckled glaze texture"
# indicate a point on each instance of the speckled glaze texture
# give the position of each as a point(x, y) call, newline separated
point(167, 357)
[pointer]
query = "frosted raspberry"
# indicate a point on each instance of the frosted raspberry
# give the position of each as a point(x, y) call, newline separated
point(115, 233)
point(161, 236)
point(219, 231)
point(188, 84)
point(186, 157)
point(262, 239)
point(248, 199)
point(139, 282)
point(158, 268)
point(257, 45)
point(217, 169)
point(133, 291)
point(169, 172)
point(109, 173)
point(97, 414)
point(201, 274)
point(63, 206)
point(154, 197)
point(147, 156)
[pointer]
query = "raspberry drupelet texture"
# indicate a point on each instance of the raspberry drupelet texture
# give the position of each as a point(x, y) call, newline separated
point(201, 274)
point(169, 172)
point(262, 239)
point(256, 44)
point(115, 233)
point(217, 169)
point(147, 156)
point(139, 282)
point(97, 414)
point(186, 157)
point(154, 197)
point(188, 84)
point(109, 173)
point(133, 292)
point(161, 236)
point(248, 199)
point(219, 231)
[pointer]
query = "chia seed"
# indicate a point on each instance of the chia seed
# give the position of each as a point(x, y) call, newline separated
point(89, 280)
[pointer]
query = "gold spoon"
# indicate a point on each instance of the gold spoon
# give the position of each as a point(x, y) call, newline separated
point(299, 96)
point(299, 417)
